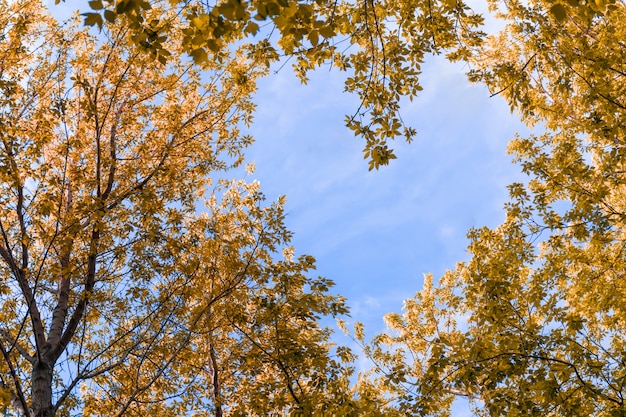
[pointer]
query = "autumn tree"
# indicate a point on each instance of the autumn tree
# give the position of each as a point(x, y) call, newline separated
point(380, 44)
point(120, 294)
point(534, 322)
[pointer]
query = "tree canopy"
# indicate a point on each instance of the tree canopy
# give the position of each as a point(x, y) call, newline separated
point(380, 44)
point(134, 281)
point(120, 295)
point(534, 322)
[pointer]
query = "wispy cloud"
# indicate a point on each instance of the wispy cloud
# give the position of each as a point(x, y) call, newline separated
point(375, 233)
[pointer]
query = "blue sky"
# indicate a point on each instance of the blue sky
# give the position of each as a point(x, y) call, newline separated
point(376, 233)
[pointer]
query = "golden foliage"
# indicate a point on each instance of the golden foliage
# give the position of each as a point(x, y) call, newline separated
point(117, 297)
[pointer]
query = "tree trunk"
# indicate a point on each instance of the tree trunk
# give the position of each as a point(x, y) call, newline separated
point(42, 389)
point(217, 395)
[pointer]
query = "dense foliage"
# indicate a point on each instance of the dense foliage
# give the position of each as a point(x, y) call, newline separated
point(118, 298)
point(380, 44)
point(535, 322)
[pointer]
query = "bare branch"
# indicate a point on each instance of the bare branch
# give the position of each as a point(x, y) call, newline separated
point(15, 344)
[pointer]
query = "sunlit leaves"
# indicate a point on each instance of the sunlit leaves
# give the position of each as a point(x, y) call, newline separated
point(534, 322)
point(115, 291)
point(380, 44)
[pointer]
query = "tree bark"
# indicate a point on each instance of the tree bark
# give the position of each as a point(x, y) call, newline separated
point(42, 388)
point(217, 394)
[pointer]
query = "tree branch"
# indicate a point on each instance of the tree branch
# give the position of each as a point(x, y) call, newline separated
point(19, 393)
point(84, 297)
point(15, 343)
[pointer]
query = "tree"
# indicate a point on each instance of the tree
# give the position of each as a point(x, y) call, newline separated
point(117, 297)
point(534, 322)
point(381, 44)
